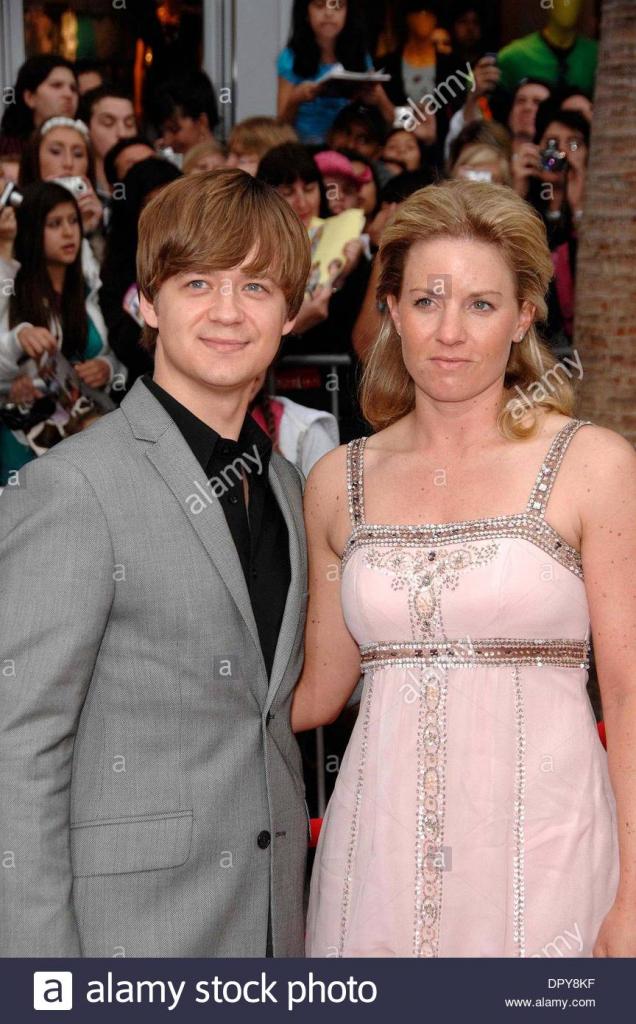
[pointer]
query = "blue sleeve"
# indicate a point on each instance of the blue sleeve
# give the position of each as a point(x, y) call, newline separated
point(285, 66)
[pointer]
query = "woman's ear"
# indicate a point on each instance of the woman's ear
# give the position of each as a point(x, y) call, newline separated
point(527, 314)
point(392, 303)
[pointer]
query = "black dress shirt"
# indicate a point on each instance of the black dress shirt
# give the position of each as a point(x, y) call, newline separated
point(259, 531)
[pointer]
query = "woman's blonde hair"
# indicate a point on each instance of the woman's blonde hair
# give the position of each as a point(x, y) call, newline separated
point(484, 213)
point(479, 154)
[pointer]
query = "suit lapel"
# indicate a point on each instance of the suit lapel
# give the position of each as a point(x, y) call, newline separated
point(289, 625)
point(172, 458)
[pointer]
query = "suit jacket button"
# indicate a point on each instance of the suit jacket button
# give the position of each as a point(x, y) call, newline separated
point(264, 839)
point(268, 717)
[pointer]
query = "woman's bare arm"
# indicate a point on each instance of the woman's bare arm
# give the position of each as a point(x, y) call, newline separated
point(608, 547)
point(367, 326)
point(332, 657)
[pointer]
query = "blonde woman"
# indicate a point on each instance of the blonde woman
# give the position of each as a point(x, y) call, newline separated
point(480, 530)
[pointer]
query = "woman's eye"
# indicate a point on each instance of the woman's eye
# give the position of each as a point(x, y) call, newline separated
point(482, 304)
point(257, 285)
point(424, 299)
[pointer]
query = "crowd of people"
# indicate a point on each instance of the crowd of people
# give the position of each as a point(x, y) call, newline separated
point(222, 298)
point(68, 257)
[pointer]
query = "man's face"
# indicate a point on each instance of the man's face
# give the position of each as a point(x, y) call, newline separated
point(221, 328)
point(112, 119)
point(524, 108)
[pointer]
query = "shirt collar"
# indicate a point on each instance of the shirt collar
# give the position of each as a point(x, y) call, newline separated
point(204, 441)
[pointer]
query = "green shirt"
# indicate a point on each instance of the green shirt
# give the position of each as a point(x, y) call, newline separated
point(532, 57)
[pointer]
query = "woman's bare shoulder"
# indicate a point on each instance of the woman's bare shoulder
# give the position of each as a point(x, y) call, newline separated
point(602, 450)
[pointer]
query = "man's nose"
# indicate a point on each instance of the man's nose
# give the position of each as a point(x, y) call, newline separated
point(224, 306)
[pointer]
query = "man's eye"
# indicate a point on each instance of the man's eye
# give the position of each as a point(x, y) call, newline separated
point(196, 285)
point(257, 285)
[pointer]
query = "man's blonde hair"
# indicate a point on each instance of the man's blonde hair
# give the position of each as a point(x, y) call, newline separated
point(486, 213)
point(213, 221)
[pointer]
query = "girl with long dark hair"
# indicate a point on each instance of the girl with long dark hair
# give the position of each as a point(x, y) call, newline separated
point(324, 33)
point(49, 308)
point(45, 87)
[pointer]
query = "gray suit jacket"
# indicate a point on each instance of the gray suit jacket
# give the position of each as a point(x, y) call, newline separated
point(144, 756)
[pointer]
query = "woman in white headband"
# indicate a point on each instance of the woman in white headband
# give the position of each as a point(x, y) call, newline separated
point(60, 149)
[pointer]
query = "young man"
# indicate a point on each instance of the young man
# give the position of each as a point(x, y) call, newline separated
point(154, 589)
point(109, 113)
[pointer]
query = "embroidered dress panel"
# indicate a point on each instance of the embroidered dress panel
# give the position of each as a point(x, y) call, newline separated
point(472, 814)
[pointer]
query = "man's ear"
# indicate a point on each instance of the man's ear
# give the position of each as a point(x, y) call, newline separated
point(288, 326)
point(392, 303)
point(147, 310)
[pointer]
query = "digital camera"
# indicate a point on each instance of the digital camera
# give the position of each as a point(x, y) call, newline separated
point(552, 158)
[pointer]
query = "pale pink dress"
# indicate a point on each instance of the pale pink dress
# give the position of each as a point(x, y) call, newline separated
point(473, 814)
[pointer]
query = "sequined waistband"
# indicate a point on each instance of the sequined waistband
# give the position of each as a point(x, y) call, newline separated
point(467, 653)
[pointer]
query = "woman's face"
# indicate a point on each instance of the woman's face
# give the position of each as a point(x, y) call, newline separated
point(421, 24)
point(56, 96)
point(342, 193)
point(63, 152)
point(402, 146)
point(62, 235)
point(303, 197)
point(457, 315)
point(327, 18)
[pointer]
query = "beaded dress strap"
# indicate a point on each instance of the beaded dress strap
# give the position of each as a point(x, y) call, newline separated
point(544, 483)
point(355, 479)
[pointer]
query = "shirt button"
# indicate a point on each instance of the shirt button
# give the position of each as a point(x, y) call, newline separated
point(264, 839)
point(233, 499)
